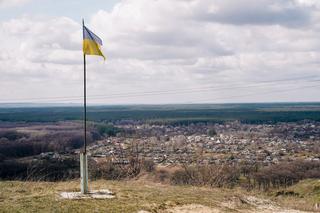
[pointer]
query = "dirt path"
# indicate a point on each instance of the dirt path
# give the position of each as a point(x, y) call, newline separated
point(193, 208)
point(248, 204)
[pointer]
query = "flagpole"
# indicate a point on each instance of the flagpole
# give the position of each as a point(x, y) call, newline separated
point(84, 98)
point(83, 155)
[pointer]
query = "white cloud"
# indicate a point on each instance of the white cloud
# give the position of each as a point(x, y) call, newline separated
point(168, 45)
point(252, 12)
point(313, 3)
point(12, 3)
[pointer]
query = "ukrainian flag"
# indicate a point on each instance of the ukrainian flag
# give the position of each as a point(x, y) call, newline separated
point(91, 43)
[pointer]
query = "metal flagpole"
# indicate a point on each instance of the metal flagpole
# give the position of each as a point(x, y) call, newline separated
point(83, 154)
point(85, 98)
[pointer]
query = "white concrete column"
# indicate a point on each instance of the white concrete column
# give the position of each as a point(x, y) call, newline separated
point(84, 173)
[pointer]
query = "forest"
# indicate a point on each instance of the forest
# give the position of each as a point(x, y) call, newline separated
point(173, 114)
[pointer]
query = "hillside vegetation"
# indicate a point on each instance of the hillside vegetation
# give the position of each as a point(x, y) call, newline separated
point(144, 196)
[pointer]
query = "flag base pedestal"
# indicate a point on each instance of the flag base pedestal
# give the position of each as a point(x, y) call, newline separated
point(95, 194)
point(84, 173)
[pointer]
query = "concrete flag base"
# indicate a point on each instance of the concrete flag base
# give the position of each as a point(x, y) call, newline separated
point(94, 194)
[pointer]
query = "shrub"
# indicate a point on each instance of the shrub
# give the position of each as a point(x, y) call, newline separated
point(110, 171)
point(11, 135)
point(47, 170)
point(210, 175)
point(162, 175)
point(2, 157)
point(148, 165)
point(107, 130)
point(286, 174)
point(212, 132)
point(181, 177)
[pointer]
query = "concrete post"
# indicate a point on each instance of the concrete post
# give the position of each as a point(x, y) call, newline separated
point(84, 173)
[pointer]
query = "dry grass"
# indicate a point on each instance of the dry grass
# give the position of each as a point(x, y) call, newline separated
point(306, 196)
point(131, 196)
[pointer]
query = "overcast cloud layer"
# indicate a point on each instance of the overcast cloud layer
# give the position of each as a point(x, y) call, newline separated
point(168, 51)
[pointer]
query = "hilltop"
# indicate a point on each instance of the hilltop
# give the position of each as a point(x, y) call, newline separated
point(145, 196)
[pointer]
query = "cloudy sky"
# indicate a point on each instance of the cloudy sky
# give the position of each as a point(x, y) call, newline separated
point(161, 51)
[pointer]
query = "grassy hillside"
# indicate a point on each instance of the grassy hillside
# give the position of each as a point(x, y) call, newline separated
point(304, 194)
point(135, 196)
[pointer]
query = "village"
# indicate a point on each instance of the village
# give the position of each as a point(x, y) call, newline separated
point(228, 143)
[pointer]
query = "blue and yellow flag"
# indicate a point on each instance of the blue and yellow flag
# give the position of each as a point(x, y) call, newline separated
point(91, 43)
